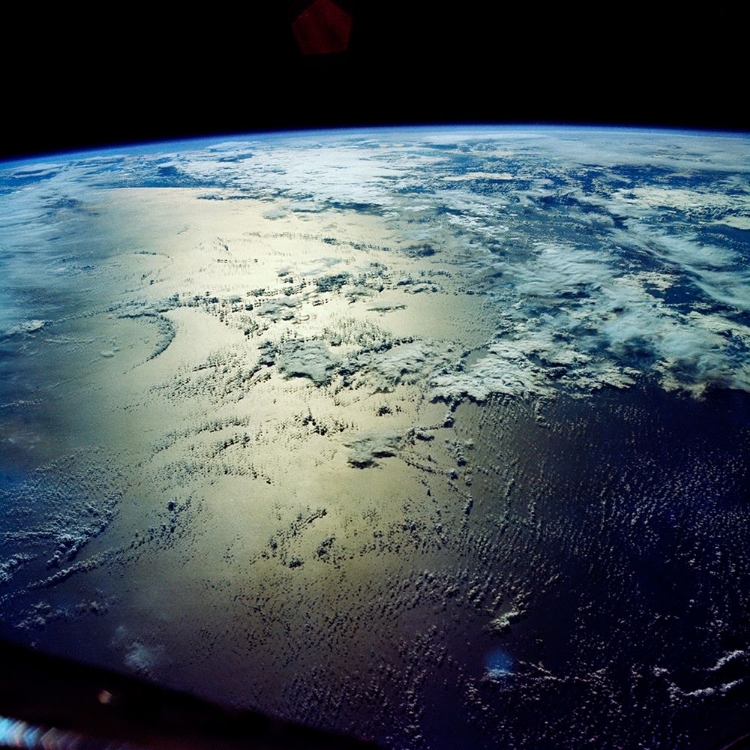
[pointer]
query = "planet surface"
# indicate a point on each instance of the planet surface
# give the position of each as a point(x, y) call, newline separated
point(436, 437)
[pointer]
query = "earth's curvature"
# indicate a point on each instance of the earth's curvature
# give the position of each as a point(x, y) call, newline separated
point(436, 437)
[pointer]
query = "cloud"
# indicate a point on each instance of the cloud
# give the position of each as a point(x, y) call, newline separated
point(367, 448)
point(307, 359)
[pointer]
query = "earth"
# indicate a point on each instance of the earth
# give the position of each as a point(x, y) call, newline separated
point(436, 437)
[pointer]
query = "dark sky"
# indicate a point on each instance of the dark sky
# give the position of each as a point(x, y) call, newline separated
point(140, 78)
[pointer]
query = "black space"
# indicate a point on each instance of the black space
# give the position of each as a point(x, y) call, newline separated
point(74, 81)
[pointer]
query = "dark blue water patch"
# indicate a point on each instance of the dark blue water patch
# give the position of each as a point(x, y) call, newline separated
point(630, 522)
point(30, 362)
point(374, 209)
point(734, 407)
point(417, 189)
point(17, 370)
point(451, 147)
point(644, 175)
point(140, 167)
point(168, 179)
point(592, 180)
point(684, 294)
point(724, 235)
point(443, 210)
point(681, 498)
point(12, 181)
point(236, 158)
point(536, 223)
point(244, 196)
point(168, 171)
point(12, 476)
point(307, 206)
point(26, 311)
point(27, 436)
point(487, 186)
